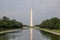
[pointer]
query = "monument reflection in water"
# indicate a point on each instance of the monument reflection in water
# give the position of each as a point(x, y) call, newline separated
point(24, 35)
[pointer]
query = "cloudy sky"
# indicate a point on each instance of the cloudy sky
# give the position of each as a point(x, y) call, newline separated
point(20, 9)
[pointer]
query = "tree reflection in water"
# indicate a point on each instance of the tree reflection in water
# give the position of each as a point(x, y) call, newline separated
point(3, 37)
point(49, 35)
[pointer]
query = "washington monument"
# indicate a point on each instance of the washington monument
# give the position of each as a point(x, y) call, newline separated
point(31, 24)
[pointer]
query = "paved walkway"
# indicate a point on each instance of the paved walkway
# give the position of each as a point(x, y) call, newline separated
point(7, 31)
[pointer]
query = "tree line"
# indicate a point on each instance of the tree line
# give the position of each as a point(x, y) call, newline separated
point(6, 23)
point(53, 23)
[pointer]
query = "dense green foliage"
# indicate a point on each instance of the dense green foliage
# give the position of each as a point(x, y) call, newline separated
point(25, 25)
point(6, 23)
point(53, 23)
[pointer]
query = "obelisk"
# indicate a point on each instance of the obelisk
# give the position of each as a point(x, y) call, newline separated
point(31, 17)
point(31, 38)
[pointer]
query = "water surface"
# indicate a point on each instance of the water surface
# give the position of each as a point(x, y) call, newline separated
point(25, 35)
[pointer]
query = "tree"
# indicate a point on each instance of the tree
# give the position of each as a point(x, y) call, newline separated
point(6, 23)
point(44, 24)
point(53, 23)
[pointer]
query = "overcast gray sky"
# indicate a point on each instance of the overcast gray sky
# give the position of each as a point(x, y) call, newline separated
point(20, 9)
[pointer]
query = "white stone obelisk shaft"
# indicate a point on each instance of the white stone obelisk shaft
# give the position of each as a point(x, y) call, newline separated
point(31, 17)
point(31, 38)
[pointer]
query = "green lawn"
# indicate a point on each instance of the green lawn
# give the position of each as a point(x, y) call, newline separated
point(58, 31)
